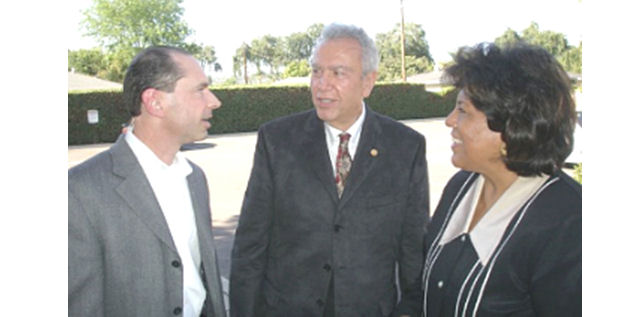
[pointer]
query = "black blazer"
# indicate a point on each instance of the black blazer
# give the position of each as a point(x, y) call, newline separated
point(294, 232)
point(538, 268)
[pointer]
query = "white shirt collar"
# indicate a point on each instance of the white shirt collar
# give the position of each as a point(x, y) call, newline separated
point(487, 233)
point(333, 139)
point(332, 135)
point(150, 162)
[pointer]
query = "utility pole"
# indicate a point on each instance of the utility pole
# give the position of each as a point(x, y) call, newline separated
point(403, 43)
point(245, 63)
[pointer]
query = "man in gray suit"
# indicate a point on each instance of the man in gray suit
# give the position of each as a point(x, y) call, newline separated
point(140, 238)
point(328, 218)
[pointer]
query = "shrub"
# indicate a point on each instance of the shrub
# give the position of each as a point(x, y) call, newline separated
point(245, 108)
point(577, 173)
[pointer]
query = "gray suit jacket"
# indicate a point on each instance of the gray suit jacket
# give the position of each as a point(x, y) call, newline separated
point(295, 233)
point(122, 258)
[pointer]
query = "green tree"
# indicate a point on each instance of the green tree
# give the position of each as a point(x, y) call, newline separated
point(86, 61)
point(418, 58)
point(207, 57)
point(314, 31)
point(269, 51)
point(299, 45)
point(123, 24)
point(124, 27)
point(555, 43)
point(240, 59)
point(298, 49)
point(571, 59)
point(283, 56)
point(509, 37)
point(297, 68)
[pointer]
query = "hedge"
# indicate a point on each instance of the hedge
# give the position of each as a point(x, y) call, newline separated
point(244, 109)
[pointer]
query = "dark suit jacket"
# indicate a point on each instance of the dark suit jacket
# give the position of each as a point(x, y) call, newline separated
point(294, 232)
point(537, 270)
point(122, 259)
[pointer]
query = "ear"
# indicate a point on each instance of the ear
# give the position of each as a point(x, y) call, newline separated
point(368, 83)
point(151, 102)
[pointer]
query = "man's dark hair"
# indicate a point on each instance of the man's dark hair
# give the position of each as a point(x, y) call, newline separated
point(153, 67)
point(526, 96)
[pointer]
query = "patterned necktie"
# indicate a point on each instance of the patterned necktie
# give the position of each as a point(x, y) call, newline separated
point(343, 163)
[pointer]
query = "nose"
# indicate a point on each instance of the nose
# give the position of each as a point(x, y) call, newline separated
point(450, 121)
point(213, 101)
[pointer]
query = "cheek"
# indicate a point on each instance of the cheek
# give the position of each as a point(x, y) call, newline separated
point(487, 145)
point(481, 140)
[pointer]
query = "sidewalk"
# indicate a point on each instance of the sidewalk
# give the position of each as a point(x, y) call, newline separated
point(227, 161)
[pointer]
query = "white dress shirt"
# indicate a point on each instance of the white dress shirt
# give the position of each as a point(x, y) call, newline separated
point(333, 140)
point(169, 183)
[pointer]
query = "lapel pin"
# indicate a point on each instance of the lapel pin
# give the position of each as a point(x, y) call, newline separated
point(374, 152)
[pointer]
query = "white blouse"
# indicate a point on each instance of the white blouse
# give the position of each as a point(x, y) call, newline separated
point(488, 231)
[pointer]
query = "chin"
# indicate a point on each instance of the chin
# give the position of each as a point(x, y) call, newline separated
point(325, 115)
point(457, 164)
point(201, 137)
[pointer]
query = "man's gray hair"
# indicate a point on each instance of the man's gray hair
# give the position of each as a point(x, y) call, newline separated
point(370, 58)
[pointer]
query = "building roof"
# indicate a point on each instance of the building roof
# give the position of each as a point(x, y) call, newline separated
point(431, 78)
point(292, 81)
point(76, 81)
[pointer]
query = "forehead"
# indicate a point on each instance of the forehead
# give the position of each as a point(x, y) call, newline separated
point(191, 70)
point(464, 97)
point(346, 50)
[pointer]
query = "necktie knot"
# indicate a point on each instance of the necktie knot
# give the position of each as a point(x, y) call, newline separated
point(344, 137)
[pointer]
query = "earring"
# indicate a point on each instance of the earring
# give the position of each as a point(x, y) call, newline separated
point(503, 150)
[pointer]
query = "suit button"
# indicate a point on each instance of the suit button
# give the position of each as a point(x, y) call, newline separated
point(177, 311)
point(175, 263)
point(337, 228)
point(440, 284)
point(319, 302)
point(327, 267)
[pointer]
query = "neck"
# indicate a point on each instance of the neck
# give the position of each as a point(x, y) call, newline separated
point(344, 126)
point(162, 146)
point(495, 184)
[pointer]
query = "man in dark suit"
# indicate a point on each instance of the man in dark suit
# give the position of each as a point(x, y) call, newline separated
point(140, 238)
point(328, 218)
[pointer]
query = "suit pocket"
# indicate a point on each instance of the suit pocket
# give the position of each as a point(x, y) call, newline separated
point(378, 215)
point(382, 201)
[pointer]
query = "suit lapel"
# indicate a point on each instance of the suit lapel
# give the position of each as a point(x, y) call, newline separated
point(315, 151)
point(135, 189)
point(364, 160)
point(198, 189)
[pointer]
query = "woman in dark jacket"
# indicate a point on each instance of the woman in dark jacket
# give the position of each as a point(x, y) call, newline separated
point(506, 237)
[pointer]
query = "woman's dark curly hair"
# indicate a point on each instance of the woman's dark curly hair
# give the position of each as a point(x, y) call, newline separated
point(526, 96)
